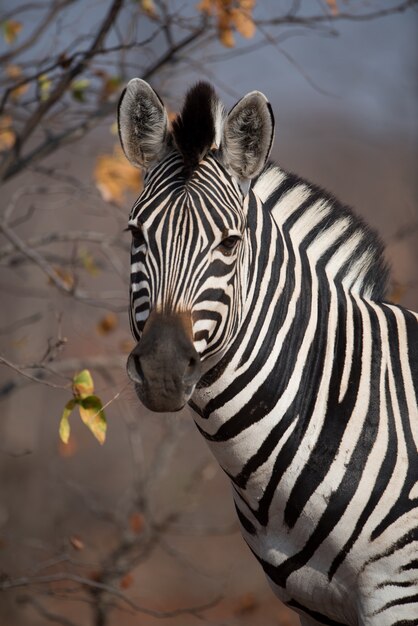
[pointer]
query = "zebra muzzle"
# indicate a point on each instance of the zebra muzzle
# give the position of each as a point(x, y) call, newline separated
point(164, 365)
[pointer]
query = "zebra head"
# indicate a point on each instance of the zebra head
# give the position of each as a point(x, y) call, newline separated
point(190, 245)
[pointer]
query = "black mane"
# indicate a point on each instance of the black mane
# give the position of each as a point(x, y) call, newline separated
point(194, 128)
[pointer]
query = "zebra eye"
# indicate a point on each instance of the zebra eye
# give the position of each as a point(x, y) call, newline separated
point(137, 235)
point(228, 244)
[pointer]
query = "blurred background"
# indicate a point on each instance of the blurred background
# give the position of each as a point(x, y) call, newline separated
point(141, 530)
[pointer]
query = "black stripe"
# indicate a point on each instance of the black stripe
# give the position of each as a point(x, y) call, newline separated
point(319, 617)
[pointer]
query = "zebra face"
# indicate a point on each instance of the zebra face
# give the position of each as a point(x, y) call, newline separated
point(187, 265)
point(189, 240)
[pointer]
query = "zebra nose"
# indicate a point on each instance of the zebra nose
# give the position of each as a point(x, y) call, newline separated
point(164, 365)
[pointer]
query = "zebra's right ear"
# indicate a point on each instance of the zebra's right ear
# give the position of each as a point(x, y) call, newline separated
point(142, 124)
point(248, 136)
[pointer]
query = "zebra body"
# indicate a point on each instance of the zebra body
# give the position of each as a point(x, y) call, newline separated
point(303, 380)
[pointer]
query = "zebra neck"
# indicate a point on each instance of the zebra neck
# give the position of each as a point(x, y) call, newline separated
point(290, 359)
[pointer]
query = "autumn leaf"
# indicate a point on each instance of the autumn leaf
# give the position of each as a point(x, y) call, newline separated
point(226, 37)
point(64, 428)
point(232, 15)
point(107, 324)
point(89, 406)
point(65, 275)
point(333, 7)
point(114, 176)
point(10, 29)
point(126, 581)
point(83, 385)
point(206, 6)
point(92, 414)
point(15, 73)
point(137, 523)
point(110, 86)
point(7, 135)
point(243, 23)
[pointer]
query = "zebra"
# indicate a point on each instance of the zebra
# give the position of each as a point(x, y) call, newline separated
point(259, 299)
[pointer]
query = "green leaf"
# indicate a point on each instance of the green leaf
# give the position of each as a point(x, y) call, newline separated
point(45, 85)
point(78, 88)
point(83, 384)
point(92, 414)
point(64, 429)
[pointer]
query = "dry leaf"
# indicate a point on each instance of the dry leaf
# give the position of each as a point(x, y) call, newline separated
point(332, 5)
point(76, 542)
point(243, 23)
point(87, 261)
point(114, 176)
point(7, 135)
point(11, 29)
point(206, 6)
point(137, 523)
point(15, 73)
point(66, 276)
point(247, 603)
point(226, 37)
point(107, 324)
point(126, 581)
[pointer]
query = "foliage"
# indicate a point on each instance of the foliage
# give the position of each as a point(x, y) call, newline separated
point(90, 408)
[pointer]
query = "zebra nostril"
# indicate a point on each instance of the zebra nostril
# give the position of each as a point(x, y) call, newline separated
point(134, 369)
point(192, 368)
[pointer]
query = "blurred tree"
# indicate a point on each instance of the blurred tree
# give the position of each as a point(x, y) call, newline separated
point(57, 87)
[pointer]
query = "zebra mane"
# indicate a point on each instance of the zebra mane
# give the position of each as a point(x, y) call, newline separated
point(360, 249)
point(198, 127)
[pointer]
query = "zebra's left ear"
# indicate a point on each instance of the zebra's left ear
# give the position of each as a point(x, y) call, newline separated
point(143, 124)
point(248, 136)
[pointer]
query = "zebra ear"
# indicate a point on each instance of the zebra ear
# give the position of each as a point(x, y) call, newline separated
point(248, 136)
point(143, 124)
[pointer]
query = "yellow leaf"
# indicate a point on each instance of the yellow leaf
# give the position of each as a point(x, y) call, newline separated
point(114, 176)
point(7, 135)
point(44, 84)
point(64, 428)
point(11, 29)
point(92, 414)
point(83, 384)
point(88, 262)
point(149, 8)
point(15, 72)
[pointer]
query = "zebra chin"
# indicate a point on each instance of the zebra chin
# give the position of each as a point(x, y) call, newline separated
point(164, 366)
point(159, 401)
